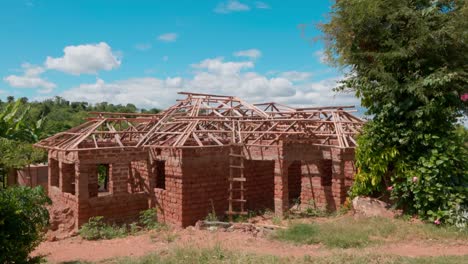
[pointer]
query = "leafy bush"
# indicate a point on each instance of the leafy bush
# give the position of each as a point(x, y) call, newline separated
point(407, 64)
point(430, 183)
point(23, 220)
point(211, 217)
point(96, 229)
point(149, 219)
point(459, 217)
point(312, 210)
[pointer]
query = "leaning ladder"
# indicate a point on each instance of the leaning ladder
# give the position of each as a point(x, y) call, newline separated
point(237, 179)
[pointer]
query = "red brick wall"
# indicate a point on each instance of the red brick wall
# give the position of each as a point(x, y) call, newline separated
point(197, 178)
point(294, 181)
point(120, 204)
point(316, 188)
point(259, 183)
point(204, 182)
point(39, 176)
point(140, 176)
point(312, 188)
point(168, 201)
point(115, 208)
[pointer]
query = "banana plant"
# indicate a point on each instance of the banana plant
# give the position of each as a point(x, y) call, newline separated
point(14, 124)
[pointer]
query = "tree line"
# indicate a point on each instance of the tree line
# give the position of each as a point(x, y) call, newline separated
point(24, 122)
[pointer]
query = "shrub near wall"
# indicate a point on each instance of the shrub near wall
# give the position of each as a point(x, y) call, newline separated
point(407, 63)
point(23, 221)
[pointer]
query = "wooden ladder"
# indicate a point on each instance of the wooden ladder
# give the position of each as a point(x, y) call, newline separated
point(236, 180)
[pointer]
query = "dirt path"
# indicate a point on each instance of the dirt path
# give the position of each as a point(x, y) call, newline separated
point(73, 249)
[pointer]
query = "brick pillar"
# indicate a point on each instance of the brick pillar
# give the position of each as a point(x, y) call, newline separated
point(338, 177)
point(82, 193)
point(81, 186)
point(60, 177)
point(281, 188)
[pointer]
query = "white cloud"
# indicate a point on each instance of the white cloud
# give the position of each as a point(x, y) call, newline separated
point(231, 6)
point(168, 37)
point(250, 53)
point(218, 66)
point(85, 59)
point(296, 75)
point(262, 5)
point(320, 93)
point(143, 46)
point(30, 79)
point(215, 76)
point(144, 92)
point(321, 56)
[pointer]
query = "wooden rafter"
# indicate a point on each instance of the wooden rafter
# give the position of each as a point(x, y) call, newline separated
point(207, 120)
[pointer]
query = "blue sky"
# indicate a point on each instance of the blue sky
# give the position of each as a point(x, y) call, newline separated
point(144, 52)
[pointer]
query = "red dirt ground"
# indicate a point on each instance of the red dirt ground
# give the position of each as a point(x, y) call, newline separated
point(75, 248)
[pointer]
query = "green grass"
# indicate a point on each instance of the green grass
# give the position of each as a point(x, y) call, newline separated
point(348, 232)
point(219, 255)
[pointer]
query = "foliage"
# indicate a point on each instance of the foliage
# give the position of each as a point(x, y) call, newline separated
point(59, 114)
point(459, 216)
point(17, 154)
point(313, 211)
point(23, 123)
point(149, 219)
point(103, 176)
point(14, 124)
point(23, 219)
point(16, 136)
point(96, 229)
point(407, 64)
point(276, 220)
point(211, 217)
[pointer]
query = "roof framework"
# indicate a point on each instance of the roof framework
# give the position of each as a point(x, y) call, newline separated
point(207, 120)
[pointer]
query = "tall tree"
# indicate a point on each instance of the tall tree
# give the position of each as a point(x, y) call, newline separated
point(407, 62)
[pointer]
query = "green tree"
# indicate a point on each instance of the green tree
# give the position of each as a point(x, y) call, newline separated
point(16, 138)
point(407, 62)
point(14, 124)
point(23, 219)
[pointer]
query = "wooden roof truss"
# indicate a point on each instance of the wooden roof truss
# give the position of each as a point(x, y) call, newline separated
point(206, 120)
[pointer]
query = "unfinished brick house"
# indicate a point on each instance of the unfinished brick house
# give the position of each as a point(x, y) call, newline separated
point(205, 153)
